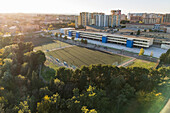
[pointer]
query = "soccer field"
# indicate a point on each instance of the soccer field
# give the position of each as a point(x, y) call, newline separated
point(79, 56)
point(49, 46)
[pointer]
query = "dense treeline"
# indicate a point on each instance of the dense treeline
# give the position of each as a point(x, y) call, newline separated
point(165, 58)
point(97, 88)
point(19, 74)
point(59, 25)
point(5, 41)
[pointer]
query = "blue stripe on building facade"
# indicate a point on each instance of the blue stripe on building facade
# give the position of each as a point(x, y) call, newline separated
point(104, 39)
point(129, 43)
point(77, 35)
point(69, 33)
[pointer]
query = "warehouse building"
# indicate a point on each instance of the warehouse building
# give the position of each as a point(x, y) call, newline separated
point(129, 41)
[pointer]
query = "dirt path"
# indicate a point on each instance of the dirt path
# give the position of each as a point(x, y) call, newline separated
point(166, 108)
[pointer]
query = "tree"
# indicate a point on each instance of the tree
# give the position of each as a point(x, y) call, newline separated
point(71, 25)
point(24, 107)
point(44, 91)
point(65, 37)
point(85, 41)
point(124, 21)
point(82, 40)
point(56, 35)
point(61, 35)
point(50, 27)
point(151, 54)
point(90, 89)
point(51, 104)
point(73, 38)
point(138, 32)
point(2, 108)
point(150, 30)
point(165, 57)
point(141, 52)
point(146, 99)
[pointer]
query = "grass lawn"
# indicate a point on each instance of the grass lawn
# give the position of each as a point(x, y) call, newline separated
point(79, 56)
point(49, 46)
point(143, 63)
point(51, 65)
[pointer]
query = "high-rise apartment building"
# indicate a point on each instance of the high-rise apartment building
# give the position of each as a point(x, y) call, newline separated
point(136, 16)
point(166, 19)
point(79, 20)
point(99, 19)
point(84, 18)
point(116, 17)
point(93, 18)
point(106, 20)
point(149, 20)
point(76, 21)
point(146, 18)
point(110, 20)
point(152, 18)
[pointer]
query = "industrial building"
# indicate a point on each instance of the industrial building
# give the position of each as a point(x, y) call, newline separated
point(129, 41)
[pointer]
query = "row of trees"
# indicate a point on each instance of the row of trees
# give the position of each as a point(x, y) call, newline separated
point(65, 37)
point(138, 33)
point(142, 52)
point(84, 41)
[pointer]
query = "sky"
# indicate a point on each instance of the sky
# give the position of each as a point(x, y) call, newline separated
point(77, 6)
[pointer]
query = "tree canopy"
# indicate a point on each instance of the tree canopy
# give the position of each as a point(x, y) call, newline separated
point(89, 89)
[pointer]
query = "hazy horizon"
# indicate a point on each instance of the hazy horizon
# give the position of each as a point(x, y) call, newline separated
point(74, 7)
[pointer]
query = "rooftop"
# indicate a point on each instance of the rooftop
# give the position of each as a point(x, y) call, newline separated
point(142, 24)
